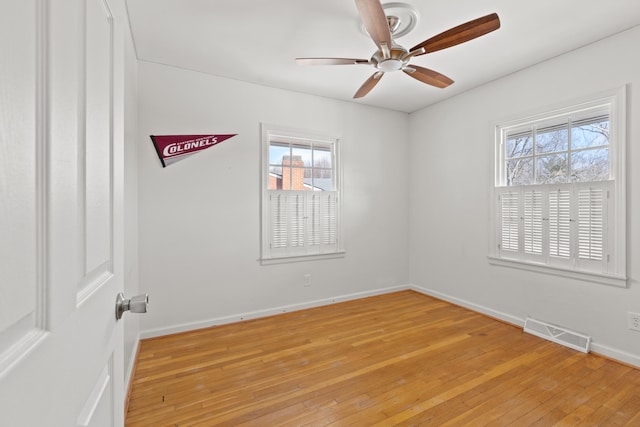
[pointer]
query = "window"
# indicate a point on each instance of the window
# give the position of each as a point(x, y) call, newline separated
point(559, 195)
point(300, 195)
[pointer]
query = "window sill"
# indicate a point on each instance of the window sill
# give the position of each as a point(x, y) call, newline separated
point(302, 258)
point(604, 279)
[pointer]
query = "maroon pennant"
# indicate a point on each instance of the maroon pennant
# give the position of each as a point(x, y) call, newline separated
point(172, 148)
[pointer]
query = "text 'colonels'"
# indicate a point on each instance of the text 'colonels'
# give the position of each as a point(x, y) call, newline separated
point(173, 148)
point(183, 147)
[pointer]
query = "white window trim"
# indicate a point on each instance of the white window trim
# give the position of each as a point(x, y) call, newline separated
point(617, 99)
point(266, 130)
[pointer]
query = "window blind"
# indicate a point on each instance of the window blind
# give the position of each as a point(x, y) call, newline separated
point(509, 201)
point(561, 224)
point(532, 222)
point(302, 222)
point(591, 224)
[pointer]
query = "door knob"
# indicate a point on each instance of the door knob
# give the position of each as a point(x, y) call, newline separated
point(137, 304)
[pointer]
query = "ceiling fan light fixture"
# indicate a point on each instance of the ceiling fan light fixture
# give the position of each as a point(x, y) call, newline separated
point(390, 65)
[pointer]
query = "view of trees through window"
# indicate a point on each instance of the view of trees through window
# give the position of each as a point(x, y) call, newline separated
point(573, 151)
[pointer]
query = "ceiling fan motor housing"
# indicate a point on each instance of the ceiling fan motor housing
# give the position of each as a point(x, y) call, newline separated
point(397, 59)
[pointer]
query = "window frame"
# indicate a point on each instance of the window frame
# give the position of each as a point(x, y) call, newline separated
point(269, 131)
point(616, 275)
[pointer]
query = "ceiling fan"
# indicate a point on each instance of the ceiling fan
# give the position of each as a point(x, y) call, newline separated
point(390, 56)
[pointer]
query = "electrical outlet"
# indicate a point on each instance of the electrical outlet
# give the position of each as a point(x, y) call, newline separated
point(634, 321)
point(307, 282)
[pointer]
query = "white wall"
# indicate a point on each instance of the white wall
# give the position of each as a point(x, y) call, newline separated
point(451, 153)
point(199, 219)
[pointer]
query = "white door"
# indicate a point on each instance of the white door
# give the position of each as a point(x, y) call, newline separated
point(61, 212)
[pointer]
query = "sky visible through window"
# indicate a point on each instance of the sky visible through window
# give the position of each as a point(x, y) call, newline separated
point(576, 152)
point(313, 160)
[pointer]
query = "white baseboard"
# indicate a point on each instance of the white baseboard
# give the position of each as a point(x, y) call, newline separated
point(184, 327)
point(132, 363)
point(471, 306)
point(603, 350)
point(615, 354)
point(129, 372)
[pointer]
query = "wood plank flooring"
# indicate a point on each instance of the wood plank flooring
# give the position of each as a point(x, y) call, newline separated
point(396, 359)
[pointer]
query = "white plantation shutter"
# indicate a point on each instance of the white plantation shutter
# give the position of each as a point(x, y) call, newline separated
point(297, 219)
point(560, 223)
point(330, 219)
point(510, 220)
point(302, 223)
point(532, 219)
point(279, 210)
point(590, 223)
point(313, 213)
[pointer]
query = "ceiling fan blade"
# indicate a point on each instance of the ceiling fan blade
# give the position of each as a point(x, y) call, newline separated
point(428, 76)
point(376, 24)
point(460, 34)
point(368, 85)
point(330, 61)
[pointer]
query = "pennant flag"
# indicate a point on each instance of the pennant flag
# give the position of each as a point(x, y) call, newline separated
point(172, 148)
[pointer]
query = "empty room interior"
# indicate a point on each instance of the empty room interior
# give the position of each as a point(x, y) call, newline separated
point(320, 213)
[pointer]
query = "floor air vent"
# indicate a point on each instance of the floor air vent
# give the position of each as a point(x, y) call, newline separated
point(558, 334)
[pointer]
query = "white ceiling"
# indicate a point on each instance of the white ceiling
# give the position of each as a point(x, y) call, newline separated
point(257, 41)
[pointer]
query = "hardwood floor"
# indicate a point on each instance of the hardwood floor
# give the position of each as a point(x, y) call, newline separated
point(396, 359)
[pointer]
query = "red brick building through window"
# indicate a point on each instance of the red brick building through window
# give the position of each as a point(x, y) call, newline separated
point(292, 177)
